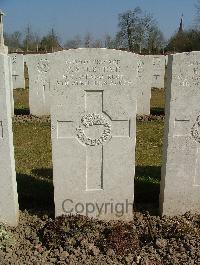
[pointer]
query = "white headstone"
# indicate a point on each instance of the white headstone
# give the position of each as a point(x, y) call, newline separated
point(17, 70)
point(8, 186)
point(180, 183)
point(158, 71)
point(144, 84)
point(11, 87)
point(94, 132)
point(39, 83)
point(166, 60)
point(3, 48)
point(44, 69)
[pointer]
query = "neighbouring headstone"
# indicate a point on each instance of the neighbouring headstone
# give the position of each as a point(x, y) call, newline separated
point(180, 183)
point(144, 84)
point(3, 48)
point(94, 133)
point(165, 78)
point(39, 83)
point(166, 60)
point(17, 70)
point(11, 87)
point(158, 71)
point(8, 186)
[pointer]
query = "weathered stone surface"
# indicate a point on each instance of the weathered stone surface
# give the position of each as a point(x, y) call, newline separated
point(8, 187)
point(158, 71)
point(45, 68)
point(17, 70)
point(180, 184)
point(93, 133)
point(145, 72)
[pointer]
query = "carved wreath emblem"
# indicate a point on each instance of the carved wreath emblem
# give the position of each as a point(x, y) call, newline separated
point(43, 66)
point(195, 131)
point(90, 120)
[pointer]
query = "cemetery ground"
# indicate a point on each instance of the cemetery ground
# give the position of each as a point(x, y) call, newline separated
point(41, 239)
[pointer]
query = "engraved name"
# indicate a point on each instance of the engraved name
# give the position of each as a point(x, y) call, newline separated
point(92, 72)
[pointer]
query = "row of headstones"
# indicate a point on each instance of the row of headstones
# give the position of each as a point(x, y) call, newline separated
point(41, 67)
point(93, 128)
point(158, 64)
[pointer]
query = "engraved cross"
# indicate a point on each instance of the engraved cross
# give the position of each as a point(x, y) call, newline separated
point(96, 128)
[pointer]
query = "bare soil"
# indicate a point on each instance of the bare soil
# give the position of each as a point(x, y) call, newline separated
point(146, 240)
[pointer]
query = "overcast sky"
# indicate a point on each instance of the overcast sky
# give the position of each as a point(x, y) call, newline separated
point(72, 17)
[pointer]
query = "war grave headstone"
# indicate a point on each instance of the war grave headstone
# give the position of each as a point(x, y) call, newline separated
point(94, 133)
point(144, 84)
point(39, 83)
point(180, 182)
point(8, 186)
point(165, 78)
point(3, 48)
point(166, 60)
point(11, 87)
point(158, 71)
point(17, 70)
point(42, 69)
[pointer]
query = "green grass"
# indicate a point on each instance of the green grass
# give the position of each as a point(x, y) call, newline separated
point(148, 161)
point(32, 141)
point(157, 101)
point(21, 101)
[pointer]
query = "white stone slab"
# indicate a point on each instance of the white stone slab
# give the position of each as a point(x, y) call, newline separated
point(145, 72)
point(39, 86)
point(94, 133)
point(17, 70)
point(180, 184)
point(158, 71)
point(11, 87)
point(44, 70)
point(8, 187)
point(3, 48)
point(165, 78)
point(166, 60)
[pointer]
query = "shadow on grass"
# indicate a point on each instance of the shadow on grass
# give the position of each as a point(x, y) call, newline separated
point(157, 111)
point(46, 173)
point(22, 111)
point(147, 188)
point(35, 195)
